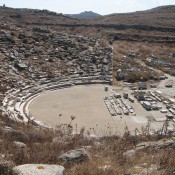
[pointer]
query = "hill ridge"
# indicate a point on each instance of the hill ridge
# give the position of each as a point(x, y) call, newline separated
point(84, 15)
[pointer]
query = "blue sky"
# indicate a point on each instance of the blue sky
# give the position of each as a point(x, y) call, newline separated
point(76, 6)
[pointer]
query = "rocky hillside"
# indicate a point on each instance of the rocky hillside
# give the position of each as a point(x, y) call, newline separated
point(32, 16)
point(84, 15)
point(157, 17)
point(161, 16)
point(41, 53)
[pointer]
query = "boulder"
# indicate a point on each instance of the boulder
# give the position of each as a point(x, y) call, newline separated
point(75, 156)
point(37, 49)
point(20, 144)
point(38, 169)
point(21, 36)
point(161, 144)
point(9, 37)
point(16, 53)
point(129, 153)
point(145, 169)
point(105, 61)
point(27, 54)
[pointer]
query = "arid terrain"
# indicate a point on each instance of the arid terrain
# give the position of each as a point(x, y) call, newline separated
point(101, 90)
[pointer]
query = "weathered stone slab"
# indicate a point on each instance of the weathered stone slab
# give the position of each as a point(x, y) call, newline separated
point(20, 144)
point(38, 169)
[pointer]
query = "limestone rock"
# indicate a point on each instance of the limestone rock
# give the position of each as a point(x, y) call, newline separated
point(129, 153)
point(75, 156)
point(161, 144)
point(20, 144)
point(145, 169)
point(105, 61)
point(38, 169)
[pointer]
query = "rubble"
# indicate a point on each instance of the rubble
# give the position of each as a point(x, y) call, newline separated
point(117, 105)
point(39, 60)
point(131, 69)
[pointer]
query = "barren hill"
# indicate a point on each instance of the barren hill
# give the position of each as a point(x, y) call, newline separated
point(159, 17)
point(163, 16)
point(84, 15)
point(32, 16)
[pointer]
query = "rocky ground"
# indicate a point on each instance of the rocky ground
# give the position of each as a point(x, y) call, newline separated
point(31, 54)
point(26, 149)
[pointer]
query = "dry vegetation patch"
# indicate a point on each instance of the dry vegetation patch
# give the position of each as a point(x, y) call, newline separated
point(135, 58)
point(107, 153)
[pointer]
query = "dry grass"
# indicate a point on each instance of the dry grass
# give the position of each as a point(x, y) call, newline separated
point(142, 50)
point(45, 146)
point(161, 16)
point(145, 49)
